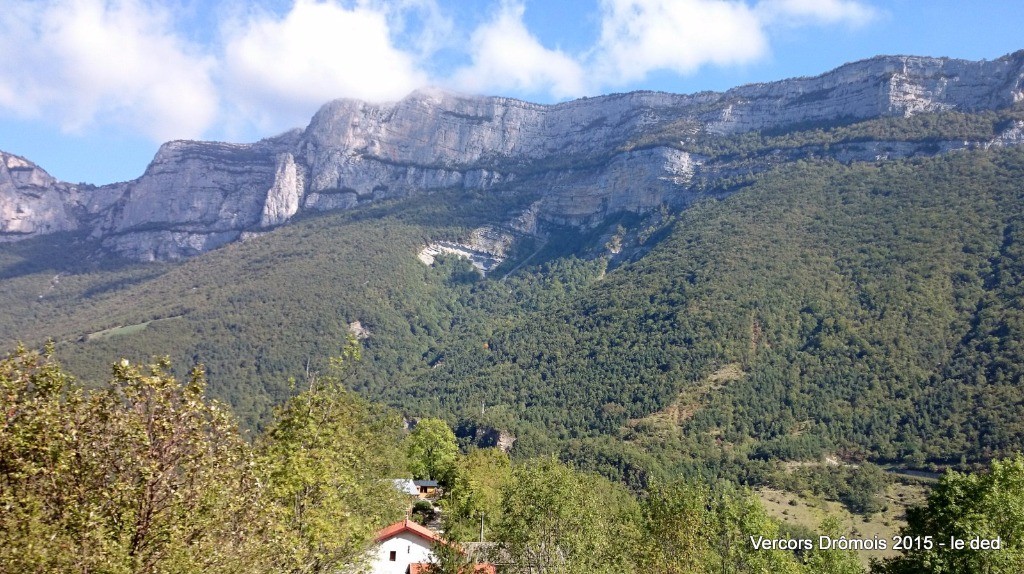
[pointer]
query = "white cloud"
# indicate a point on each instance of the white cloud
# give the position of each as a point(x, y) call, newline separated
point(278, 70)
point(640, 36)
point(417, 25)
point(91, 64)
point(81, 63)
point(506, 56)
point(817, 12)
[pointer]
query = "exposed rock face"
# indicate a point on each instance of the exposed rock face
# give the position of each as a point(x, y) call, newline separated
point(486, 437)
point(283, 197)
point(587, 157)
point(358, 331)
point(196, 196)
point(32, 202)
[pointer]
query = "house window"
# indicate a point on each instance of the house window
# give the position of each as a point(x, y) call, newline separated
point(393, 556)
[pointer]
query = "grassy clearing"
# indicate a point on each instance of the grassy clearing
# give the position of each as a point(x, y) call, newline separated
point(810, 511)
point(122, 330)
point(691, 399)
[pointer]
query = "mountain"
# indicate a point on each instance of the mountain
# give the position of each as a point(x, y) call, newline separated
point(584, 159)
point(708, 283)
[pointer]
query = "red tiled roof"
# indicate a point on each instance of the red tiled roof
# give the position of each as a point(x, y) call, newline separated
point(424, 532)
point(408, 526)
point(422, 568)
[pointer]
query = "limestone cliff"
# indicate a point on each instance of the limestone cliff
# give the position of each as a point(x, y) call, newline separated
point(587, 158)
point(32, 202)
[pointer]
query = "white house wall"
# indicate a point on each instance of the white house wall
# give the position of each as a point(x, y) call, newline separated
point(408, 547)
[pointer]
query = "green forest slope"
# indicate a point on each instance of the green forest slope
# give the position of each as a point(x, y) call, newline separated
point(869, 309)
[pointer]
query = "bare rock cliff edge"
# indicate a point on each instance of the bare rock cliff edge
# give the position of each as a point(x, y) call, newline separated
point(585, 157)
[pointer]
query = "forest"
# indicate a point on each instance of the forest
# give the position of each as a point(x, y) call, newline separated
point(149, 475)
point(866, 313)
point(868, 309)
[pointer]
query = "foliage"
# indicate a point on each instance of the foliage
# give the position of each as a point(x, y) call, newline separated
point(832, 560)
point(145, 476)
point(431, 450)
point(475, 495)
point(148, 476)
point(689, 527)
point(555, 520)
point(448, 558)
point(676, 523)
point(423, 512)
point(859, 487)
point(965, 507)
point(326, 461)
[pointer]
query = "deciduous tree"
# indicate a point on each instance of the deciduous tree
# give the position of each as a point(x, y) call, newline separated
point(144, 476)
point(326, 462)
point(432, 451)
point(986, 506)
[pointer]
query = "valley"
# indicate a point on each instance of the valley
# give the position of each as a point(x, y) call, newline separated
point(792, 287)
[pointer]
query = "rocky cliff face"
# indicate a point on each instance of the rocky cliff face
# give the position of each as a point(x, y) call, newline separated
point(588, 157)
point(33, 203)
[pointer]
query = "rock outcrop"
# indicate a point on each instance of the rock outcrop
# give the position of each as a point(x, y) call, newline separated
point(32, 202)
point(584, 159)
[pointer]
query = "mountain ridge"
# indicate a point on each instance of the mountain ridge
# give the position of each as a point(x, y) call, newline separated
point(583, 160)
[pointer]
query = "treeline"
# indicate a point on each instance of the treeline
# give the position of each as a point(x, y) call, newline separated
point(148, 475)
point(871, 310)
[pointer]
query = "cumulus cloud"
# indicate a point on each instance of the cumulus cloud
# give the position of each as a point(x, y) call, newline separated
point(506, 56)
point(419, 26)
point(639, 36)
point(82, 63)
point(816, 12)
point(280, 69)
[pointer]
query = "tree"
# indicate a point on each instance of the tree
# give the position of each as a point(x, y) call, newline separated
point(690, 527)
point(326, 461)
point(448, 558)
point(676, 522)
point(144, 476)
point(737, 516)
point(968, 506)
point(557, 520)
point(831, 560)
point(432, 451)
point(475, 494)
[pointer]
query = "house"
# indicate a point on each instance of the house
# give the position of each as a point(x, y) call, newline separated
point(406, 486)
point(401, 544)
point(407, 548)
point(426, 488)
point(478, 569)
point(418, 488)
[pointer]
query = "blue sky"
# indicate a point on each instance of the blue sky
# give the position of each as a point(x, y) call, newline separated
point(90, 88)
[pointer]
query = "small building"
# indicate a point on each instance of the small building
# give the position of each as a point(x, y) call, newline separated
point(477, 569)
point(401, 544)
point(406, 486)
point(407, 548)
point(426, 488)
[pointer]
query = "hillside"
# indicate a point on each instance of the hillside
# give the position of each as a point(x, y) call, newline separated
point(870, 308)
point(712, 284)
